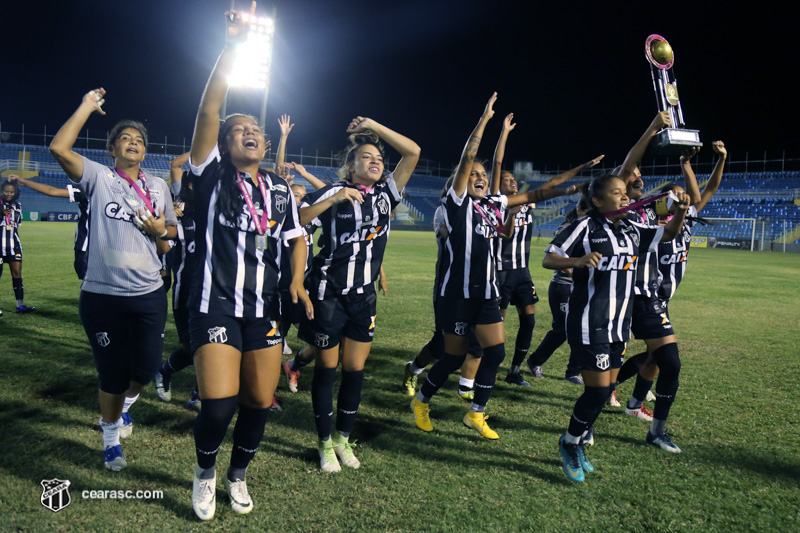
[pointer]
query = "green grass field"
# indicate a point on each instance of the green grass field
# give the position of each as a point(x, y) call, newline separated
point(736, 418)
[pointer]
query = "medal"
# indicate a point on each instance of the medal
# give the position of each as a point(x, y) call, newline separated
point(261, 242)
point(262, 222)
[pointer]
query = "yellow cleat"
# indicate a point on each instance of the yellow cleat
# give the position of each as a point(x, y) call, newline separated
point(422, 415)
point(409, 385)
point(477, 421)
point(467, 396)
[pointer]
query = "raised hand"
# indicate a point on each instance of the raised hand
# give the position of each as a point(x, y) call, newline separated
point(359, 124)
point(594, 162)
point(661, 120)
point(507, 124)
point(236, 27)
point(684, 201)
point(95, 99)
point(488, 111)
point(719, 148)
point(13, 177)
point(689, 153)
point(285, 123)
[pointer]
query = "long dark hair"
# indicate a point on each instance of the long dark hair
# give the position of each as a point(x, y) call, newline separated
point(348, 156)
point(229, 201)
point(596, 188)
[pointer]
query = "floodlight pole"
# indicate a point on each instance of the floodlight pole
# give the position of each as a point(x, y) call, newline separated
point(223, 112)
point(263, 117)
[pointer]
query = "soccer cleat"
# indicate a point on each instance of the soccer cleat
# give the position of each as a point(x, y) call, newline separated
point(204, 497)
point(650, 396)
point(535, 370)
point(422, 415)
point(327, 457)
point(588, 439)
point(570, 460)
point(514, 378)
point(577, 380)
point(126, 428)
point(585, 464)
point(1, 313)
point(409, 385)
point(477, 421)
point(641, 412)
point(291, 376)
point(276, 406)
point(663, 441)
point(287, 350)
point(241, 502)
point(344, 450)
point(162, 387)
point(194, 403)
point(612, 400)
point(466, 395)
point(113, 459)
point(23, 309)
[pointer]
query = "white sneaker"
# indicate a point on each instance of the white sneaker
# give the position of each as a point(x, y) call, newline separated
point(240, 499)
point(164, 392)
point(612, 400)
point(287, 350)
point(641, 412)
point(650, 397)
point(344, 450)
point(126, 428)
point(327, 457)
point(204, 497)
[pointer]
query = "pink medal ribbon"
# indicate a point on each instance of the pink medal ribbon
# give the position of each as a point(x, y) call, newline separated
point(482, 212)
point(144, 196)
point(10, 216)
point(263, 222)
point(360, 187)
point(638, 204)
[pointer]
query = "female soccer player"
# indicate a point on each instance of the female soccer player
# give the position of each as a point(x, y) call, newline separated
point(602, 250)
point(468, 290)
point(10, 245)
point(241, 215)
point(354, 216)
point(122, 306)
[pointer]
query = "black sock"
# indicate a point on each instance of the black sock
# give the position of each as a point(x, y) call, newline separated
point(178, 360)
point(210, 427)
point(19, 290)
point(348, 401)
point(639, 392)
point(487, 373)
point(669, 367)
point(322, 399)
point(439, 372)
point(587, 409)
point(247, 435)
point(524, 336)
point(551, 342)
point(631, 367)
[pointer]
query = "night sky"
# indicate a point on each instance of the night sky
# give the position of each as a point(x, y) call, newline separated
point(574, 74)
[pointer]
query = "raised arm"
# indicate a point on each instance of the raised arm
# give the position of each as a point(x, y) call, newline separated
point(409, 150)
point(62, 143)
point(716, 175)
point(286, 127)
point(540, 195)
point(175, 170)
point(471, 148)
point(206, 126)
point(306, 175)
point(571, 173)
point(48, 190)
point(673, 227)
point(636, 153)
point(500, 153)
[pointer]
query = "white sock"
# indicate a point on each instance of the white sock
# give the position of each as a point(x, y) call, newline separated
point(110, 432)
point(466, 383)
point(571, 439)
point(128, 403)
point(414, 369)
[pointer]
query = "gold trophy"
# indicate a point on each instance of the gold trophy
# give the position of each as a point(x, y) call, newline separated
point(674, 140)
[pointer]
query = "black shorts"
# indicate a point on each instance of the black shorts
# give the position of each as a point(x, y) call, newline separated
point(650, 319)
point(127, 336)
point(347, 315)
point(291, 312)
point(558, 297)
point(16, 258)
point(81, 263)
point(597, 357)
point(181, 316)
point(243, 333)
point(516, 288)
point(457, 316)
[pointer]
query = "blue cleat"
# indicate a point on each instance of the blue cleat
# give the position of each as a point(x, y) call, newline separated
point(113, 459)
point(570, 460)
point(587, 466)
point(126, 428)
point(663, 441)
point(23, 309)
point(514, 378)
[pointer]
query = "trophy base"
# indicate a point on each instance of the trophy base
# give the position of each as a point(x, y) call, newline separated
point(674, 141)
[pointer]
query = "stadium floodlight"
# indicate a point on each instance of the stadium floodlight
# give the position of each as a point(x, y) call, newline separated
point(254, 56)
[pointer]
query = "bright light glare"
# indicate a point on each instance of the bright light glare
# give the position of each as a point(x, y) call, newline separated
point(254, 56)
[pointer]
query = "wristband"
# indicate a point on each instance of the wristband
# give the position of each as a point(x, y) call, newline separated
point(163, 234)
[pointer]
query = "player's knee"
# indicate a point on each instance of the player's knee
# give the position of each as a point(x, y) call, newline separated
point(668, 359)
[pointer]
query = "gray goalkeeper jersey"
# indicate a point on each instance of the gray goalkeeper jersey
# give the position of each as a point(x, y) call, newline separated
point(122, 259)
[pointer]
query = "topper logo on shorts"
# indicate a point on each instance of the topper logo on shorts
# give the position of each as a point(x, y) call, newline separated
point(461, 328)
point(603, 361)
point(102, 338)
point(218, 335)
point(321, 340)
point(55, 494)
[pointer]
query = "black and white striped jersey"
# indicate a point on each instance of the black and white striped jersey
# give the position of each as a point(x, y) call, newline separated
point(82, 228)
point(599, 308)
point(560, 276)
point(515, 252)
point(10, 244)
point(181, 260)
point(647, 275)
point(672, 257)
point(353, 240)
point(233, 276)
point(467, 267)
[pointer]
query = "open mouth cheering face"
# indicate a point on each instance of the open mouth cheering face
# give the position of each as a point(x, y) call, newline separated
point(478, 185)
point(129, 146)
